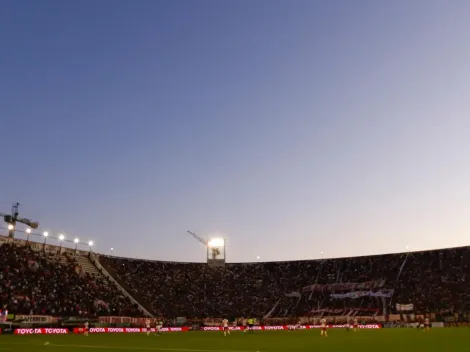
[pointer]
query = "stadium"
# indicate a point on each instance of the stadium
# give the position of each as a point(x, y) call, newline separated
point(318, 149)
point(53, 293)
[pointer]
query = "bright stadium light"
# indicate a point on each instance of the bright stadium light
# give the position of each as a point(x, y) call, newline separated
point(61, 238)
point(28, 230)
point(76, 240)
point(45, 234)
point(90, 243)
point(216, 242)
point(11, 227)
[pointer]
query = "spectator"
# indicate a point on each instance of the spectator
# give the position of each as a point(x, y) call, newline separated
point(40, 283)
point(432, 281)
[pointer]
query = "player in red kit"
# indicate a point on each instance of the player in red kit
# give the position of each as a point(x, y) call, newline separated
point(323, 328)
point(355, 324)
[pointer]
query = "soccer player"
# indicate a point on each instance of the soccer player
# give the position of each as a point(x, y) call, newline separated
point(245, 325)
point(355, 324)
point(158, 327)
point(323, 331)
point(225, 327)
point(86, 328)
point(426, 324)
point(251, 323)
point(147, 326)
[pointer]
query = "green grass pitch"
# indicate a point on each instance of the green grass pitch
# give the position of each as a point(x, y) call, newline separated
point(385, 340)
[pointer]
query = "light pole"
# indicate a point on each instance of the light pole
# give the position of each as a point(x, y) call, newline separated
point(90, 244)
point(28, 231)
point(112, 251)
point(76, 240)
point(45, 234)
point(61, 238)
point(258, 258)
point(321, 255)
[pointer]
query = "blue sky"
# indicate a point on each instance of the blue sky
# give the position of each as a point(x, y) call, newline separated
point(289, 127)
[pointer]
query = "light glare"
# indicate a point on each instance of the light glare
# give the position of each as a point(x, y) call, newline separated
point(10, 227)
point(28, 230)
point(61, 237)
point(76, 240)
point(46, 234)
point(216, 242)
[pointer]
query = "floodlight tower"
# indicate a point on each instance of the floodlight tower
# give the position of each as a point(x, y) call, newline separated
point(215, 249)
point(12, 219)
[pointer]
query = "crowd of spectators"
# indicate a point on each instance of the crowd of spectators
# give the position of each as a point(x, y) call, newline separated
point(433, 281)
point(41, 283)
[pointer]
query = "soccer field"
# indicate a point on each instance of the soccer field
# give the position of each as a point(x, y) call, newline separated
point(385, 340)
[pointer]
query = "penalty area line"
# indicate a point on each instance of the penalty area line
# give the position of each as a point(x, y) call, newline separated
point(128, 348)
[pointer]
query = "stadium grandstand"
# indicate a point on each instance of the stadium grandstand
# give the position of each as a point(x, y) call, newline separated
point(43, 279)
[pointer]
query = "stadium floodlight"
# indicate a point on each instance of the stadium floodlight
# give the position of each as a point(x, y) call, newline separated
point(216, 242)
point(76, 240)
point(11, 227)
point(28, 230)
point(45, 234)
point(61, 238)
point(90, 243)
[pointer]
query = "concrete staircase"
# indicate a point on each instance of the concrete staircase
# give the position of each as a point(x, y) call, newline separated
point(89, 267)
point(62, 259)
point(107, 272)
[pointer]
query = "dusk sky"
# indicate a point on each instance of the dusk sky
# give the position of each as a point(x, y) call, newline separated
point(289, 127)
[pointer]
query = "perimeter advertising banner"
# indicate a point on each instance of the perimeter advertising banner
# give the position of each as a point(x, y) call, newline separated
point(36, 318)
point(64, 331)
point(42, 331)
point(287, 327)
point(127, 330)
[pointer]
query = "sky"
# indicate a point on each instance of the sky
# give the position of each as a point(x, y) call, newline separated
point(291, 128)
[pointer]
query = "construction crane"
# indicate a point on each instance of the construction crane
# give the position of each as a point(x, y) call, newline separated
point(12, 219)
point(215, 251)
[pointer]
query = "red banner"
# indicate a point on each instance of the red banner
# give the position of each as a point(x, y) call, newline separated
point(128, 330)
point(287, 327)
point(41, 331)
point(63, 331)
